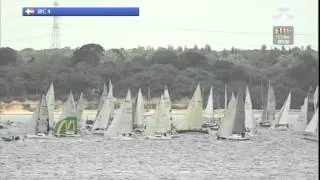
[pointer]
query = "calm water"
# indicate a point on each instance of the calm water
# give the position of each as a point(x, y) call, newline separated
point(272, 155)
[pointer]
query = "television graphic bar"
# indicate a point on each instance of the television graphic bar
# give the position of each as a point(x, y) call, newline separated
point(80, 11)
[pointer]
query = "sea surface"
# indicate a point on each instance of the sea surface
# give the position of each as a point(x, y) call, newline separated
point(271, 155)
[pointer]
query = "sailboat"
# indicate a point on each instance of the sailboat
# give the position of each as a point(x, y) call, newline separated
point(104, 116)
point(39, 126)
point(138, 121)
point(80, 106)
point(282, 122)
point(302, 120)
point(51, 104)
point(312, 130)
point(250, 122)
point(67, 124)
point(121, 127)
point(159, 127)
point(233, 125)
point(208, 112)
point(193, 119)
point(269, 112)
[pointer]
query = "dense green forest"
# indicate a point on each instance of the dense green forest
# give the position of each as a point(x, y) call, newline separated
point(25, 74)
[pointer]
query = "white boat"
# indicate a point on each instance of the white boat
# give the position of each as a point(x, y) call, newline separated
point(282, 122)
point(159, 126)
point(237, 137)
point(233, 125)
point(50, 97)
point(208, 111)
point(312, 130)
point(138, 113)
point(39, 126)
point(250, 122)
point(193, 119)
point(122, 126)
point(105, 116)
point(269, 112)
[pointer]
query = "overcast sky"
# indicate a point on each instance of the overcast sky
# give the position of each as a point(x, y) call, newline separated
point(245, 24)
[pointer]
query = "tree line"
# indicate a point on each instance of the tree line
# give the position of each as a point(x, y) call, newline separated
point(25, 74)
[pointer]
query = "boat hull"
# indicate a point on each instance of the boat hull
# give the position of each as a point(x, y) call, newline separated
point(204, 131)
point(265, 124)
point(122, 138)
point(235, 138)
point(40, 136)
point(158, 137)
point(311, 138)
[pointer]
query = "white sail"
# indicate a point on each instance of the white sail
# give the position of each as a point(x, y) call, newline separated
point(225, 99)
point(283, 118)
point(68, 108)
point(79, 110)
point(316, 97)
point(110, 89)
point(32, 125)
point(250, 122)
point(50, 97)
point(122, 124)
point(166, 98)
point(270, 108)
point(139, 114)
point(193, 119)
point(301, 122)
point(103, 96)
point(313, 126)
point(103, 117)
point(226, 126)
point(209, 108)
point(161, 122)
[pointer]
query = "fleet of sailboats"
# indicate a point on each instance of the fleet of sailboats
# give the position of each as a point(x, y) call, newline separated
point(128, 121)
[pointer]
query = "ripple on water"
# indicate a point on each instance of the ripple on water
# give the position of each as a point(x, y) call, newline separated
point(272, 155)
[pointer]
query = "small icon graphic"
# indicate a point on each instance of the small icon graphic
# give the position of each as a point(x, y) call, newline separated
point(29, 11)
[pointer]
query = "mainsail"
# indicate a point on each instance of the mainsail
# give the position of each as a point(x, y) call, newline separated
point(250, 122)
point(209, 108)
point(103, 116)
point(193, 118)
point(269, 112)
point(166, 98)
point(313, 126)
point(139, 111)
point(68, 108)
point(79, 110)
point(239, 122)
point(51, 104)
point(161, 122)
point(103, 96)
point(122, 124)
point(225, 99)
point(226, 126)
point(283, 119)
point(42, 117)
